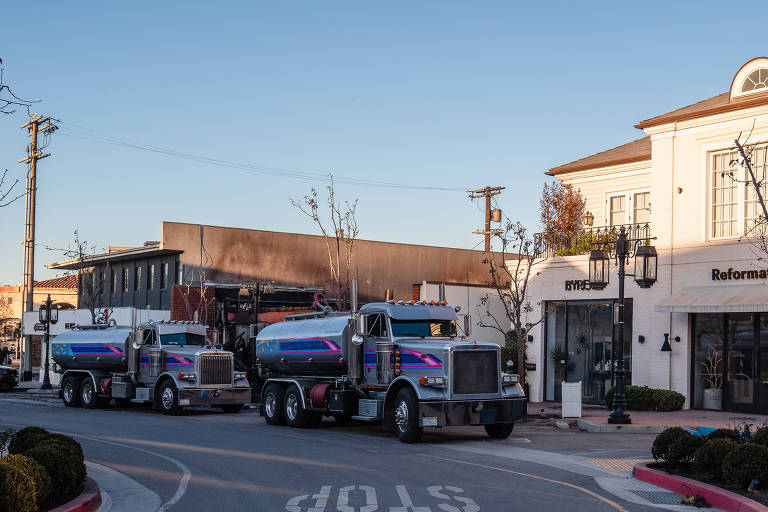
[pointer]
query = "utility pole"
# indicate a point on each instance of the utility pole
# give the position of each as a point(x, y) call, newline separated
point(34, 154)
point(487, 193)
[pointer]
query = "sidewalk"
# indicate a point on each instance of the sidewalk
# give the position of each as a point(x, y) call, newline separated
point(595, 419)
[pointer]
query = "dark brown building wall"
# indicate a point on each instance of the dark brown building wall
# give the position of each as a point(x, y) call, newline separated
point(246, 255)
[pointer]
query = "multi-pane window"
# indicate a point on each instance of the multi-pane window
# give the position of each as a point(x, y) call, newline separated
point(164, 276)
point(641, 207)
point(136, 278)
point(755, 81)
point(112, 281)
point(125, 279)
point(735, 207)
point(151, 277)
point(179, 273)
point(617, 211)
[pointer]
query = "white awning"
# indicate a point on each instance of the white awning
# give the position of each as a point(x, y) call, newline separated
point(744, 298)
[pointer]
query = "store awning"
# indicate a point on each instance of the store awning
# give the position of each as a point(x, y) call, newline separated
point(745, 298)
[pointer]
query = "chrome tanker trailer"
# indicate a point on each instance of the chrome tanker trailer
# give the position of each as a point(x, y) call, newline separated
point(167, 364)
point(397, 362)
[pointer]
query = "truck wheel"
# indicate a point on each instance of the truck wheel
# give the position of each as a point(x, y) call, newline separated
point(499, 430)
point(407, 416)
point(70, 391)
point(89, 396)
point(295, 413)
point(273, 404)
point(232, 408)
point(168, 398)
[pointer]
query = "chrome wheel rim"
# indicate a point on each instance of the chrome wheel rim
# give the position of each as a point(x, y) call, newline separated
point(68, 392)
point(269, 404)
point(87, 393)
point(291, 407)
point(167, 398)
point(401, 417)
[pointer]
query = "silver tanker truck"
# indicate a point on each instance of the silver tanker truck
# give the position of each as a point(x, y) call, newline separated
point(397, 362)
point(167, 364)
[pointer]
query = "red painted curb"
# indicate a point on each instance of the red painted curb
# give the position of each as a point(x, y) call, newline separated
point(88, 501)
point(715, 496)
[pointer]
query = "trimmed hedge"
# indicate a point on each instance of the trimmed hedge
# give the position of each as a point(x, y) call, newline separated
point(676, 447)
point(26, 438)
point(17, 490)
point(747, 462)
point(62, 458)
point(760, 436)
point(643, 398)
point(726, 433)
point(708, 459)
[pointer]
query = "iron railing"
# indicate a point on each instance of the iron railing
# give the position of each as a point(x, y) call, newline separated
point(583, 241)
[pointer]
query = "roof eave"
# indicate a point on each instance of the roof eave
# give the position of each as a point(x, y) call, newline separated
point(583, 167)
point(756, 100)
point(96, 259)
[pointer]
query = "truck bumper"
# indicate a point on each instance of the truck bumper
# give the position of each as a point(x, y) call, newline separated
point(472, 412)
point(220, 396)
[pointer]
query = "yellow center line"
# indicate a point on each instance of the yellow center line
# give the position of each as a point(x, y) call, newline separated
point(537, 477)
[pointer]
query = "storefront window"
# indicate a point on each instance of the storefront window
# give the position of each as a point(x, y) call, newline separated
point(741, 353)
point(555, 336)
point(708, 362)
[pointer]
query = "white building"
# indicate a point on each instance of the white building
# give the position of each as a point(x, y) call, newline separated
point(711, 297)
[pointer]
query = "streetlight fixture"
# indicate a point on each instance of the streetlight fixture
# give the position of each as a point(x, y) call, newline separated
point(49, 314)
point(645, 276)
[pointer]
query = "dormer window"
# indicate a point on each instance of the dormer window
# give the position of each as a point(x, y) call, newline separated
point(756, 80)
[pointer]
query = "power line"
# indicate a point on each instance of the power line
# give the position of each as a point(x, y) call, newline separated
point(85, 133)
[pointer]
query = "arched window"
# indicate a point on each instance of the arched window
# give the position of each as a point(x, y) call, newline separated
point(758, 79)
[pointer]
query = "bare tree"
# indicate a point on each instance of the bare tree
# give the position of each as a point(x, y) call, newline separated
point(509, 274)
point(197, 295)
point(339, 236)
point(91, 282)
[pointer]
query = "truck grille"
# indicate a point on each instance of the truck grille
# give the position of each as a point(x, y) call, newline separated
point(475, 372)
point(215, 369)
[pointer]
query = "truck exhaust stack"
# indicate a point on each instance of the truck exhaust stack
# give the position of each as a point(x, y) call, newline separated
point(355, 338)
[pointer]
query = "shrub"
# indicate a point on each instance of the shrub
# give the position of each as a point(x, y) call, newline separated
point(675, 447)
point(17, 490)
point(40, 479)
point(709, 458)
point(726, 433)
point(26, 438)
point(64, 464)
point(747, 462)
point(643, 398)
point(760, 436)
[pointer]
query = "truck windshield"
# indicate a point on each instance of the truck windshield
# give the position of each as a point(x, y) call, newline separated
point(424, 328)
point(182, 339)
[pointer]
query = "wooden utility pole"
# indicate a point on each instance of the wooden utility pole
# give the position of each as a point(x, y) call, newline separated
point(34, 154)
point(487, 193)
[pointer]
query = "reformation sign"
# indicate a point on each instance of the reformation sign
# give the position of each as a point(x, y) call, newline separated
point(730, 274)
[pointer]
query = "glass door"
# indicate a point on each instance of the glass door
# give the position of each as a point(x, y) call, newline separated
point(762, 364)
point(740, 373)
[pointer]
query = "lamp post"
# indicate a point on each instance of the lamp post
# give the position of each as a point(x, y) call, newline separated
point(49, 314)
point(645, 276)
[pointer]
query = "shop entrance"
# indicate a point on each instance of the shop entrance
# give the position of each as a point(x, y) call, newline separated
point(580, 339)
point(730, 362)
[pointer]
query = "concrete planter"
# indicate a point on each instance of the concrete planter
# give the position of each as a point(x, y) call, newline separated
point(713, 399)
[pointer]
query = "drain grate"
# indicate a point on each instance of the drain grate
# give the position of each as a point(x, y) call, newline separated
point(660, 498)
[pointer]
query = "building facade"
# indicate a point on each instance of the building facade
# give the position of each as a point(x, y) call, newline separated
point(685, 186)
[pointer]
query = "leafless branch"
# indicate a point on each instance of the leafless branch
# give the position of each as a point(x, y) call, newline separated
point(9, 102)
point(4, 200)
point(91, 285)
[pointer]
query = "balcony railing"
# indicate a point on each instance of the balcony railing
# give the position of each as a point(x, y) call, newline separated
point(572, 244)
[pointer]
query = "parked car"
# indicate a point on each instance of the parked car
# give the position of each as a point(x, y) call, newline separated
point(9, 377)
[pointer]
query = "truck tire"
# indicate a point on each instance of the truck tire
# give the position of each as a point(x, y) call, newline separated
point(273, 404)
point(70, 391)
point(295, 414)
point(89, 395)
point(407, 416)
point(168, 399)
point(499, 430)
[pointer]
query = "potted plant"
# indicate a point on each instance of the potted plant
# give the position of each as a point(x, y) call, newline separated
point(713, 393)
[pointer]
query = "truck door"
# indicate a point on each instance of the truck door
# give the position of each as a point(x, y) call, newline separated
point(151, 360)
point(379, 350)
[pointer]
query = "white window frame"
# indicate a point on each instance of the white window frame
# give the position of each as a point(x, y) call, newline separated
point(629, 203)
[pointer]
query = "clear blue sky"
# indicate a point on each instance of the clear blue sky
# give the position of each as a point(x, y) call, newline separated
point(440, 93)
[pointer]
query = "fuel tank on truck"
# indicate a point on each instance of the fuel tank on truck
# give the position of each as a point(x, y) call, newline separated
point(314, 346)
point(92, 349)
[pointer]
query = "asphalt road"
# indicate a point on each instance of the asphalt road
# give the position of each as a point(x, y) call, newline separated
point(207, 460)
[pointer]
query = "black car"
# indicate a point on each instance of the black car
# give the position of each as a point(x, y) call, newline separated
point(9, 377)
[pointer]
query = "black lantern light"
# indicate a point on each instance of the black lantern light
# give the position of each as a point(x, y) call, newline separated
point(588, 219)
point(645, 266)
point(49, 313)
point(599, 265)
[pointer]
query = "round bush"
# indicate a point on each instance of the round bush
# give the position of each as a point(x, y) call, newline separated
point(760, 436)
point(65, 467)
point(663, 441)
point(26, 438)
point(67, 441)
point(747, 462)
point(682, 451)
point(709, 458)
point(34, 471)
point(17, 490)
point(726, 433)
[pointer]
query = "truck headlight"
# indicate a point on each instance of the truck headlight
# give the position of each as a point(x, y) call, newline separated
point(432, 382)
point(187, 376)
point(509, 379)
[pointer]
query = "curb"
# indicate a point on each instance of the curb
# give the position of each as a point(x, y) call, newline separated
point(715, 496)
point(88, 501)
point(620, 429)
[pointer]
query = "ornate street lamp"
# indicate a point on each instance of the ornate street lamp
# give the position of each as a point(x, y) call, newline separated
point(588, 219)
point(49, 314)
point(645, 276)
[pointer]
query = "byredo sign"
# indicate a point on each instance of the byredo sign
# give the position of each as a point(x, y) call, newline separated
point(577, 284)
point(738, 275)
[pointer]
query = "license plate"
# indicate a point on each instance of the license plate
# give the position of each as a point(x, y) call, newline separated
point(429, 421)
